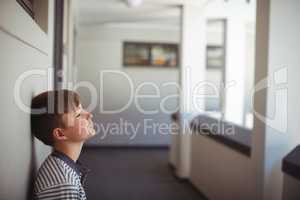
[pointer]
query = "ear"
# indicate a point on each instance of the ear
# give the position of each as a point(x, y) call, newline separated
point(58, 134)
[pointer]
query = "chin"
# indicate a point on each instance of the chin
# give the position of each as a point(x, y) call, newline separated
point(91, 133)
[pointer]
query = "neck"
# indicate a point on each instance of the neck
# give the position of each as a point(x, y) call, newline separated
point(72, 150)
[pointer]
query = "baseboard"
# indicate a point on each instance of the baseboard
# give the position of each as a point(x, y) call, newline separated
point(172, 167)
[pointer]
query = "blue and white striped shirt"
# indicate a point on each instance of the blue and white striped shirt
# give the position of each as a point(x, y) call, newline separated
point(60, 177)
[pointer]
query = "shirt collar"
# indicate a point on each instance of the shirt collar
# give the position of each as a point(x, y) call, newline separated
point(76, 166)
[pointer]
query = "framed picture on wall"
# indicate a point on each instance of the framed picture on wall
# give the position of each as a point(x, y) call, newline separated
point(164, 55)
point(142, 54)
point(136, 54)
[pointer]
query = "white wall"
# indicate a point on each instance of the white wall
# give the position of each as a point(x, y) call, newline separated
point(224, 174)
point(193, 40)
point(218, 171)
point(24, 46)
point(69, 65)
point(100, 48)
point(282, 97)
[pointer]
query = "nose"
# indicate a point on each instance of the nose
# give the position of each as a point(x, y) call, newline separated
point(90, 115)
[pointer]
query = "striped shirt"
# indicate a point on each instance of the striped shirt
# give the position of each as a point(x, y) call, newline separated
point(60, 177)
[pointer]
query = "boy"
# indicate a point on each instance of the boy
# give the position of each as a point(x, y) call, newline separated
point(58, 120)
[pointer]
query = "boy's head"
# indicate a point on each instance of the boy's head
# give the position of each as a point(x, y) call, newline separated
point(57, 116)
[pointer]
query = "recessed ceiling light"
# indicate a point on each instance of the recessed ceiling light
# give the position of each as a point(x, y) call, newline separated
point(134, 3)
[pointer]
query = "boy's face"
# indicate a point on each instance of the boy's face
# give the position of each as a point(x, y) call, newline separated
point(78, 125)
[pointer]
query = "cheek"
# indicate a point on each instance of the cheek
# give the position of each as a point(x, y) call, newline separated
point(70, 122)
point(81, 126)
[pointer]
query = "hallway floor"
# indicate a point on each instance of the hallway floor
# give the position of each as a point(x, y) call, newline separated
point(133, 174)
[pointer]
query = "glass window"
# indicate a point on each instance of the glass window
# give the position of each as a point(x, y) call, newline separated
point(215, 66)
point(230, 69)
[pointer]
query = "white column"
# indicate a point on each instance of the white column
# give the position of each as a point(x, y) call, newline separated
point(193, 62)
point(276, 123)
point(235, 69)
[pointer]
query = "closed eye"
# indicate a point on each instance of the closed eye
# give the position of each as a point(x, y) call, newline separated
point(78, 115)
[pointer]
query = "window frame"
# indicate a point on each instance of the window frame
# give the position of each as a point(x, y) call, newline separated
point(28, 6)
point(221, 69)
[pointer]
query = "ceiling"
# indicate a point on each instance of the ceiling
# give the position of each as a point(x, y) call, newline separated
point(104, 12)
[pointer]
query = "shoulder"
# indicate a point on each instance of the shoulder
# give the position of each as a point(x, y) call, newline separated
point(55, 172)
